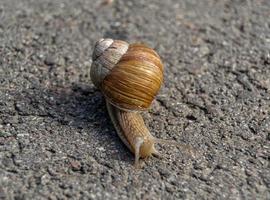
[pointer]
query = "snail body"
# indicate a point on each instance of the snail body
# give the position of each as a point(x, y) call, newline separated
point(133, 132)
point(129, 76)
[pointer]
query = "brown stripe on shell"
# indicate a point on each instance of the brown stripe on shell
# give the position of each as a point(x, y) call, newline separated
point(144, 56)
point(142, 47)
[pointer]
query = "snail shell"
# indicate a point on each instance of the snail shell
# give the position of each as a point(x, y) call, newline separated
point(129, 75)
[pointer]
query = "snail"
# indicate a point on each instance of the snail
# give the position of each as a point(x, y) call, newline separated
point(129, 76)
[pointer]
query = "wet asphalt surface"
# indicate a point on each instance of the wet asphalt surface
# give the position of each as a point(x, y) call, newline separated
point(56, 139)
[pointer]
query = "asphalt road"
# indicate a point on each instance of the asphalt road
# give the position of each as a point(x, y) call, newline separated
point(56, 139)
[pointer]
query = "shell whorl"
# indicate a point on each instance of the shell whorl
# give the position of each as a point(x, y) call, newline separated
point(107, 53)
point(129, 75)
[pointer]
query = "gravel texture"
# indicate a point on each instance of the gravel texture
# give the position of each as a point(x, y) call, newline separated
point(56, 139)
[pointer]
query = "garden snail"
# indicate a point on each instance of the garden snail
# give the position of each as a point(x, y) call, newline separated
point(129, 76)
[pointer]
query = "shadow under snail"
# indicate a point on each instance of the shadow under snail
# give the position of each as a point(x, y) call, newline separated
point(129, 76)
